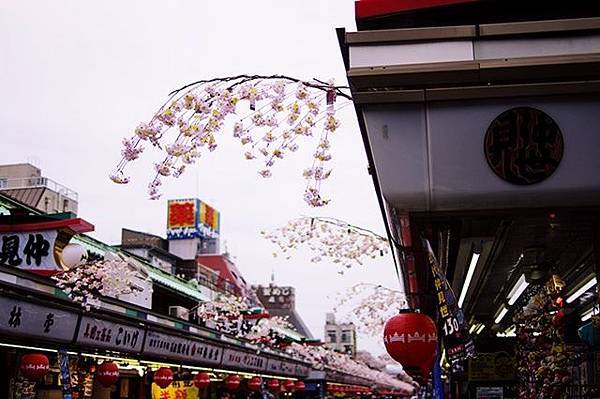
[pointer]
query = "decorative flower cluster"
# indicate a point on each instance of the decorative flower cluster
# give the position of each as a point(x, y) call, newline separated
point(328, 238)
point(274, 114)
point(369, 306)
point(226, 314)
point(269, 330)
point(86, 283)
point(322, 358)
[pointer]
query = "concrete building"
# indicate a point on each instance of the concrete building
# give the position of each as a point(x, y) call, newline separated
point(340, 336)
point(281, 301)
point(25, 183)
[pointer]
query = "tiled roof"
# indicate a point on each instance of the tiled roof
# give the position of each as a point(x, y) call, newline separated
point(29, 196)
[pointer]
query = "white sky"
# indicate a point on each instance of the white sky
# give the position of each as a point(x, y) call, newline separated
point(78, 76)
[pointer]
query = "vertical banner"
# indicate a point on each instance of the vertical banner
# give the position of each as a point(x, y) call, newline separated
point(457, 340)
point(438, 384)
point(65, 375)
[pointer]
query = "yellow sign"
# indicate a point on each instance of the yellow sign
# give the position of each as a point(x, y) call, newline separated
point(492, 367)
point(177, 390)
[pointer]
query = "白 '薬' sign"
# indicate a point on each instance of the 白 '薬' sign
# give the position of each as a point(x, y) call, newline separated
point(191, 218)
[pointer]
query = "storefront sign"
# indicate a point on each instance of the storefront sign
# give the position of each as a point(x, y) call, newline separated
point(29, 320)
point(498, 366)
point(191, 218)
point(29, 250)
point(106, 334)
point(281, 367)
point(177, 390)
point(302, 370)
point(523, 146)
point(245, 360)
point(36, 246)
point(457, 339)
point(182, 348)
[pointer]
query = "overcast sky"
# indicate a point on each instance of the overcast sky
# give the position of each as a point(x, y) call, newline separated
point(78, 76)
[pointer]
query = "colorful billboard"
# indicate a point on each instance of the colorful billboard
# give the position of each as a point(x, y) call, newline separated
point(191, 218)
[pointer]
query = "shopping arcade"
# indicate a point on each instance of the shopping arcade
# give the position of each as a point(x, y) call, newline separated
point(429, 81)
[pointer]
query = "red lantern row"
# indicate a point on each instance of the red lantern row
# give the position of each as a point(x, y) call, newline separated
point(347, 389)
point(34, 366)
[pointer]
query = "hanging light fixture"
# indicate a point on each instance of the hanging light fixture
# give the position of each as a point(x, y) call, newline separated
point(518, 289)
point(585, 316)
point(581, 290)
point(470, 271)
point(500, 314)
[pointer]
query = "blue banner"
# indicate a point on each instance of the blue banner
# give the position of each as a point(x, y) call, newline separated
point(438, 384)
point(65, 375)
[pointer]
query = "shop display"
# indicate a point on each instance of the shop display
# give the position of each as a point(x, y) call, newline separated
point(542, 362)
point(299, 386)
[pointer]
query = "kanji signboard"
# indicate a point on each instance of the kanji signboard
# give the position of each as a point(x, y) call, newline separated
point(191, 218)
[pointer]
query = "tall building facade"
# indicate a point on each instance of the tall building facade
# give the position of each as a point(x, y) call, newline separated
point(340, 336)
point(281, 301)
point(25, 183)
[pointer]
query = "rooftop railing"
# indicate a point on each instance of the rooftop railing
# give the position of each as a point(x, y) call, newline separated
point(36, 182)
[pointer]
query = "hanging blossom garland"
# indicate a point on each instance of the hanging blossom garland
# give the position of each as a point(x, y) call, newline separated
point(272, 115)
point(369, 306)
point(321, 358)
point(269, 330)
point(328, 238)
point(86, 283)
point(224, 313)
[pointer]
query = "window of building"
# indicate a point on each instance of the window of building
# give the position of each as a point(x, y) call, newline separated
point(331, 336)
point(346, 336)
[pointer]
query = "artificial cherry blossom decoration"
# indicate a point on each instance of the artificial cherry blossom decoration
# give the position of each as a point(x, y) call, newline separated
point(269, 115)
point(86, 283)
point(369, 306)
point(321, 357)
point(269, 330)
point(328, 238)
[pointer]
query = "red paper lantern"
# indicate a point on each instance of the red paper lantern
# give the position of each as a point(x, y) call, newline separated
point(107, 373)
point(411, 339)
point(273, 385)
point(34, 366)
point(254, 384)
point(289, 385)
point(299, 386)
point(202, 380)
point(163, 377)
point(558, 319)
point(232, 382)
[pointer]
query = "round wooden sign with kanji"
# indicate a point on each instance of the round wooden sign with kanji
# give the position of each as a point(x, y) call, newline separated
point(523, 146)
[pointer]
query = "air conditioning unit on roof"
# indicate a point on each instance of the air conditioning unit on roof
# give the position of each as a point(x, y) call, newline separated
point(180, 312)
